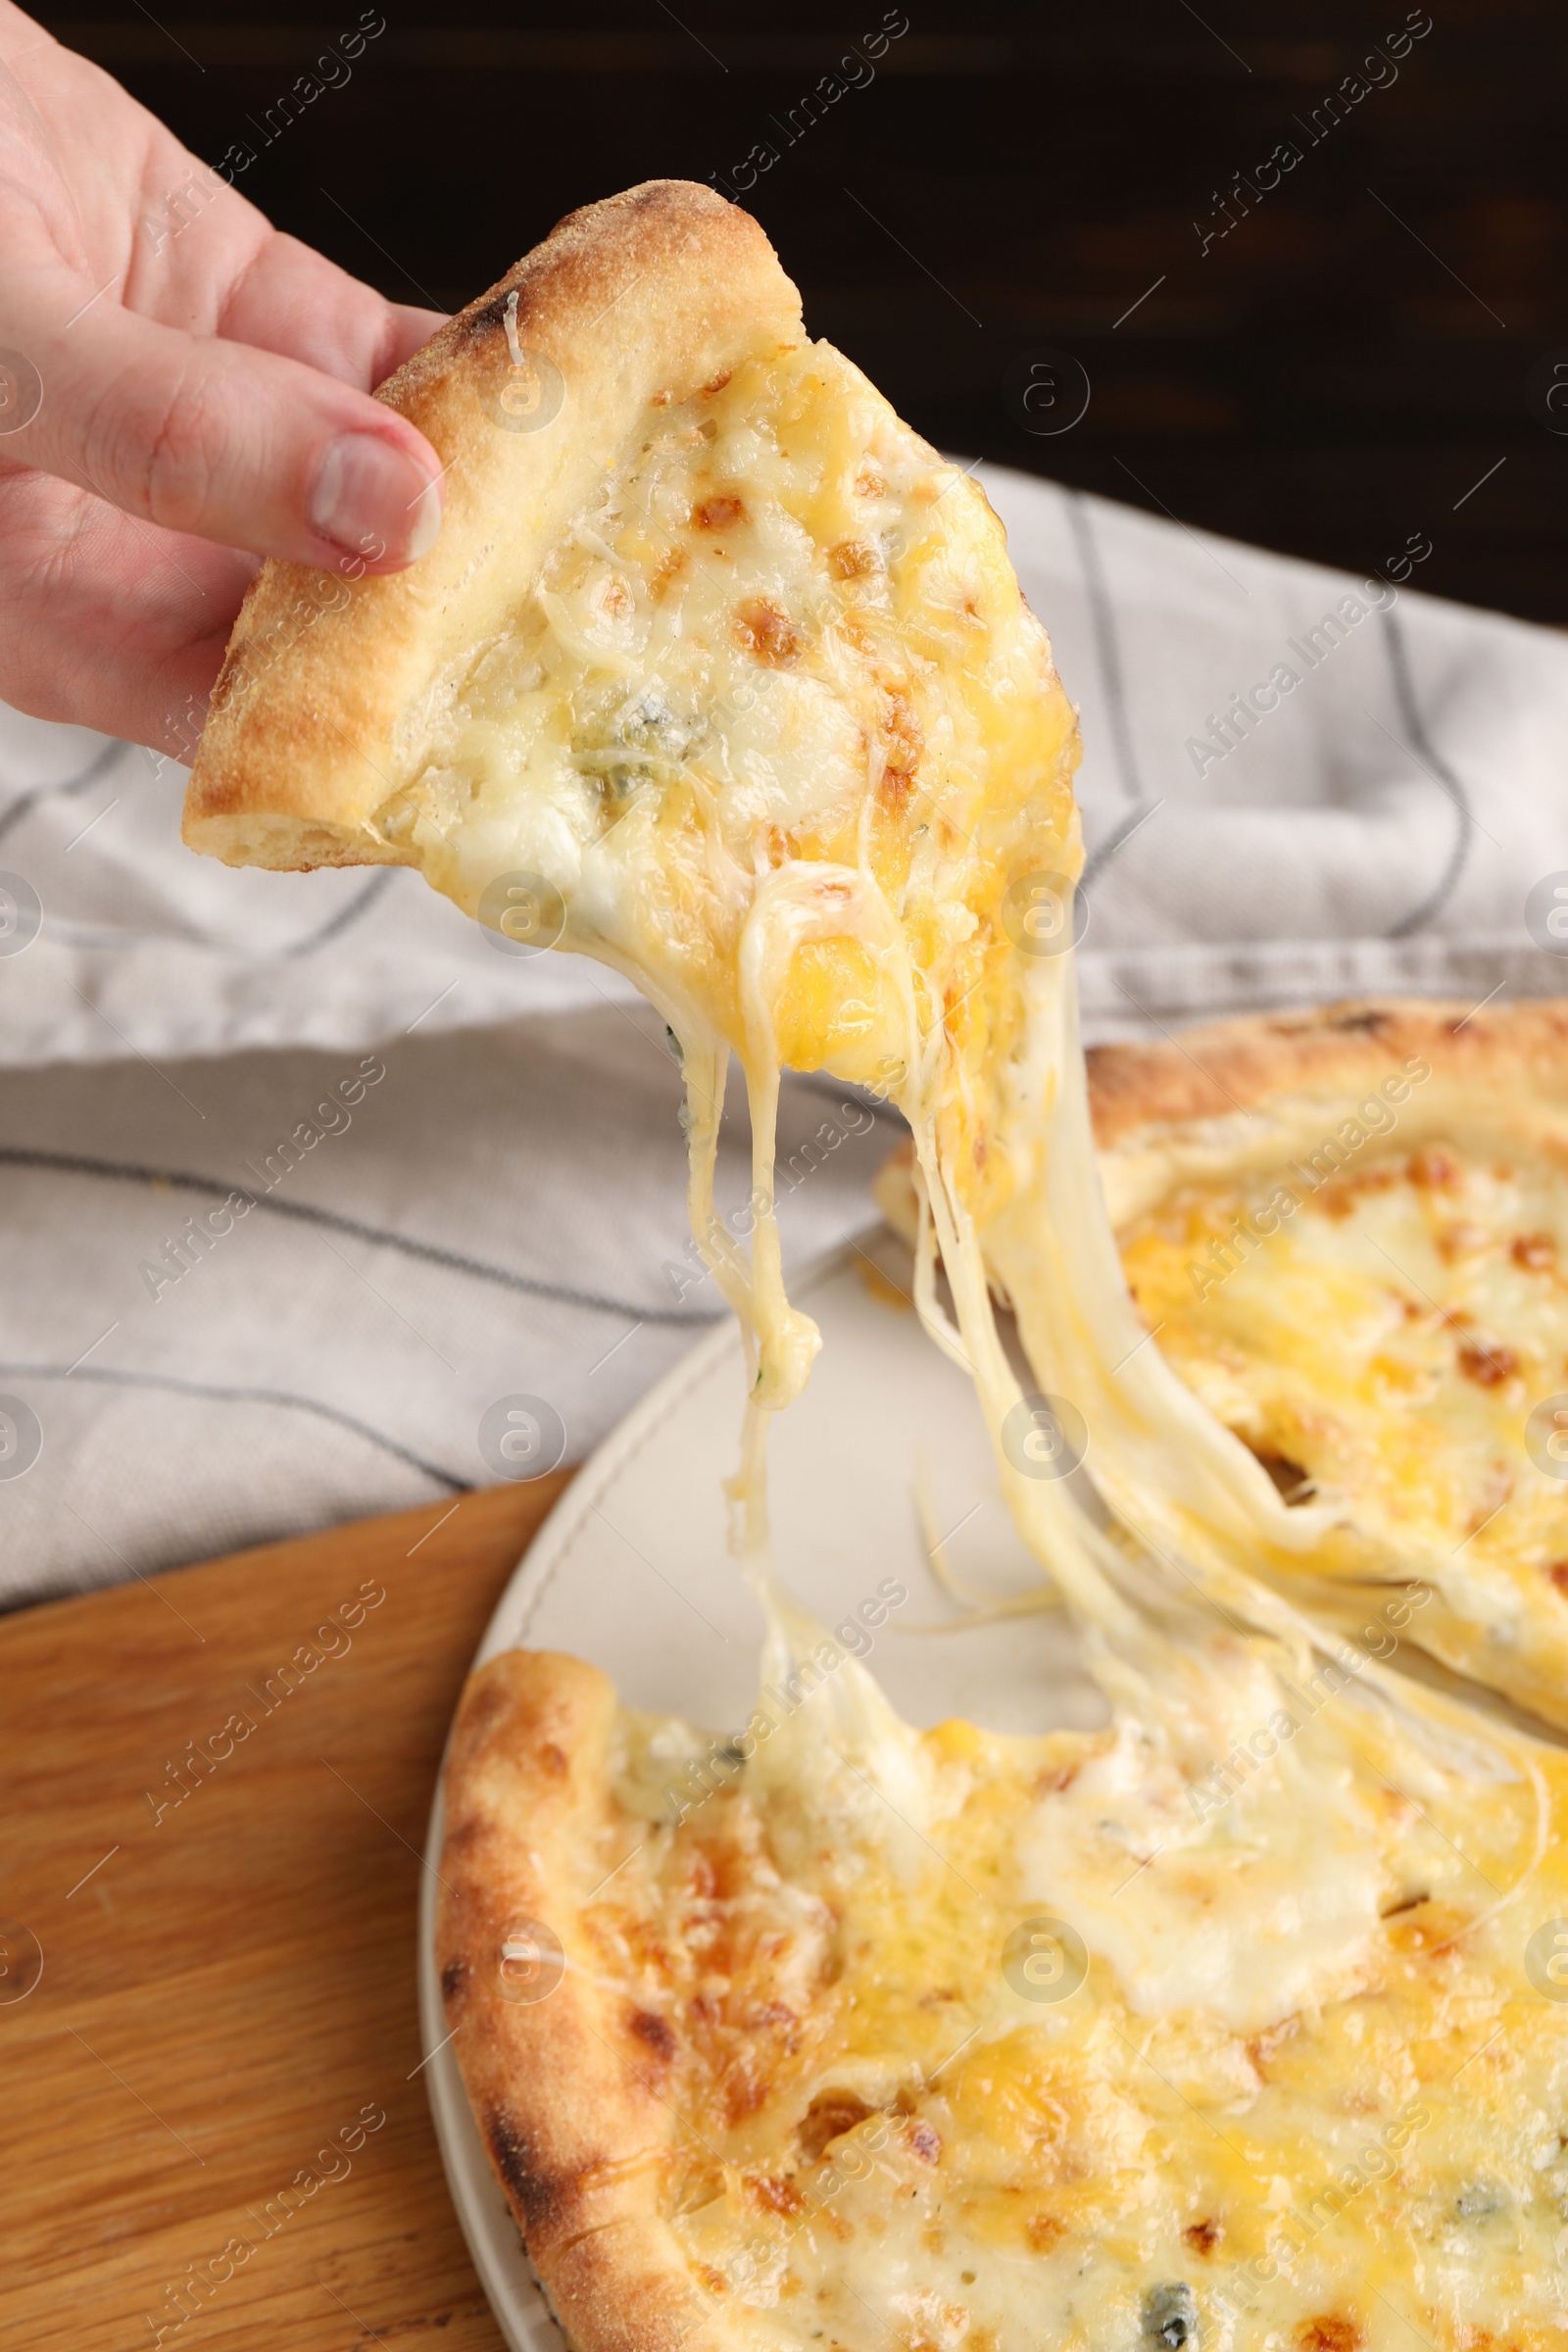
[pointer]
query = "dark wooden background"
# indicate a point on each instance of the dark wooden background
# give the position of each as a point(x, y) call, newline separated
point(1336, 373)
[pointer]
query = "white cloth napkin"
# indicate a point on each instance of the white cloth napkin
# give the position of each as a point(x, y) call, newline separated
point(501, 1212)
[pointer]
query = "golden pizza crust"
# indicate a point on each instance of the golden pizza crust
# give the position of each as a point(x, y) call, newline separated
point(323, 704)
point(570, 2090)
point(1146, 1098)
point(1338, 1049)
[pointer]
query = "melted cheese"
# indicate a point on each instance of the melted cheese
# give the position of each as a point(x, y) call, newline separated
point(1293, 2080)
point(1386, 1341)
point(1256, 1909)
point(777, 733)
point(778, 730)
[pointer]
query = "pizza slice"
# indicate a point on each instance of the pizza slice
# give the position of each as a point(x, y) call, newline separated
point(1351, 1231)
point(1244, 2027)
point(719, 674)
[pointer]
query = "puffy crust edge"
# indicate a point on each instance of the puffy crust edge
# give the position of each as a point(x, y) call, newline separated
point(572, 2101)
point(1338, 1049)
point(323, 705)
point(1141, 1097)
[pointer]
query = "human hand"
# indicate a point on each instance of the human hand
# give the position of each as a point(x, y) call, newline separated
point(202, 400)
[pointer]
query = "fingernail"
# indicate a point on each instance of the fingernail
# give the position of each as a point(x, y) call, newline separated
point(373, 499)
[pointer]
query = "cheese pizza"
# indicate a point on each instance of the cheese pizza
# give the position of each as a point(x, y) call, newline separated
point(719, 674)
point(969, 2043)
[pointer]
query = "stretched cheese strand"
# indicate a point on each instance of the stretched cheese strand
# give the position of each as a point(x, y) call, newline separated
point(795, 902)
point(1180, 1486)
point(1166, 1466)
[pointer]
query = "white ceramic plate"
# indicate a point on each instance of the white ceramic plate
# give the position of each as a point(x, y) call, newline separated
point(631, 1571)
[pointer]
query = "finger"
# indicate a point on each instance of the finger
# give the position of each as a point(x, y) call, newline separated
point(412, 329)
point(108, 622)
point(282, 295)
point(226, 441)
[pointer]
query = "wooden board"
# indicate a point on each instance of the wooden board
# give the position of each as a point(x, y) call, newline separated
point(227, 2000)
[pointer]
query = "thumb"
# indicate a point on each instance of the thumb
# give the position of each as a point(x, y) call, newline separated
point(227, 441)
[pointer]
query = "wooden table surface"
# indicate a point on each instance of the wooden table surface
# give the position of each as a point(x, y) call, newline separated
point(227, 2003)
